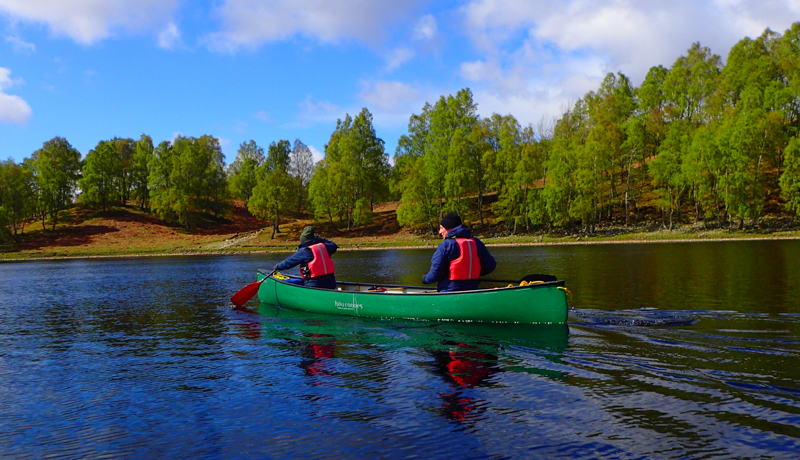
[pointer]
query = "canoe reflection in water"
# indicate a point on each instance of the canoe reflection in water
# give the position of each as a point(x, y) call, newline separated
point(317, 350)
point(467, 361)
point(465, 366)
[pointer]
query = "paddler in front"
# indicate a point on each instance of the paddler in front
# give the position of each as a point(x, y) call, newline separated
point(314, 257)
point(460, 259)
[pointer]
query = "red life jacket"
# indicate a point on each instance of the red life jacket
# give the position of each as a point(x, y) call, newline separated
point(321, 264)
point(467, 266)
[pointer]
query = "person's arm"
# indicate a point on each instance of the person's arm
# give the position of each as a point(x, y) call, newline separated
point(488, 264)
point(303, 255)
point(439, 265)
point(330, 246)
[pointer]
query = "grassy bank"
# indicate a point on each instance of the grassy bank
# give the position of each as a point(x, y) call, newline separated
point(127, 231)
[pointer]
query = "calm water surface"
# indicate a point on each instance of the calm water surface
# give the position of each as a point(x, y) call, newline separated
point(675, 350)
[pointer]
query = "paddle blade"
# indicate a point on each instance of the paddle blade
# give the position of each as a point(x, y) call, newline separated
point(246, 293)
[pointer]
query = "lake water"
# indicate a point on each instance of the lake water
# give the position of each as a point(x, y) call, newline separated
point(673, 350)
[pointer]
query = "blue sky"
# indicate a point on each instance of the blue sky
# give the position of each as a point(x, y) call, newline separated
point(90, 70)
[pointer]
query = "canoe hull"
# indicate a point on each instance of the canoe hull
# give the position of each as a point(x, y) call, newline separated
point(541, 303)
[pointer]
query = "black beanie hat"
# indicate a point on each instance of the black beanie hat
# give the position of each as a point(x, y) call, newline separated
point(307, 235)
point(450, 221)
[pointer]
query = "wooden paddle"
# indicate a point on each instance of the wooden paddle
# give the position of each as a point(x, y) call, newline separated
point(528, 278)
point(246, 293)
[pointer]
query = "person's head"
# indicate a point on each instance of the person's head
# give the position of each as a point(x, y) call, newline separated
point(307, 235)
point(448, 222)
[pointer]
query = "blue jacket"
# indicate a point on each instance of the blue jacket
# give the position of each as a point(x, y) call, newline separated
point(304, 255)
point(449, 251)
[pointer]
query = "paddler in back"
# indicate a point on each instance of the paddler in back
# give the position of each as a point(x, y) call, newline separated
point(460, 259)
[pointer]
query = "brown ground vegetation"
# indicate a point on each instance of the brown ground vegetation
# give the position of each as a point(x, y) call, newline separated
point(128, 230)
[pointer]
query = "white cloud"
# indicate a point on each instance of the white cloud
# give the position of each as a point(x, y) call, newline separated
point(319, 112)
point(536, 55)
point(263, 116)
point(316, 154)
point(398, 57)
point(480, 70)
point(391, 103)
point(251, 23)
point(170, 37)
point(426, 28)
point(390, 96)
point(20, 46)
point(424, 37)
point(88, 21)
point(13, 109)
point(631, 36)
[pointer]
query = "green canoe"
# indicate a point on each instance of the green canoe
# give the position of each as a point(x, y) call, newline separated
point(536, 303)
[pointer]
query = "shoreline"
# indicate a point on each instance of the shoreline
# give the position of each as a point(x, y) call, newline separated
point(432, 245)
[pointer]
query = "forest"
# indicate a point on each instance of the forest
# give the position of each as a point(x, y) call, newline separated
point(700, 141)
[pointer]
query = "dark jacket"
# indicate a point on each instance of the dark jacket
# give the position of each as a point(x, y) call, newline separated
point(449, 251)
point(302, 258)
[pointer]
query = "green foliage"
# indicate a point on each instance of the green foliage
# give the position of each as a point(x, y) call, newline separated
point(244, 180)
point(499, 146)
point(355, 167)
point(569, 137)
point(666, 171)
point(188, 179)
point(321, 195)
point(362, 214)
point(301, 166)
point(242, 175)
point(690, 83)
point(16, 198)
point(56, 170)
point(271, 195)
point(126, 150)
point(441, 161)
point(790, 180)
point(279, 156)
point(100, 175)
point(5, 233)
point(140, 170)
point(415, 207)
point(417, 198)
point(116, 170)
